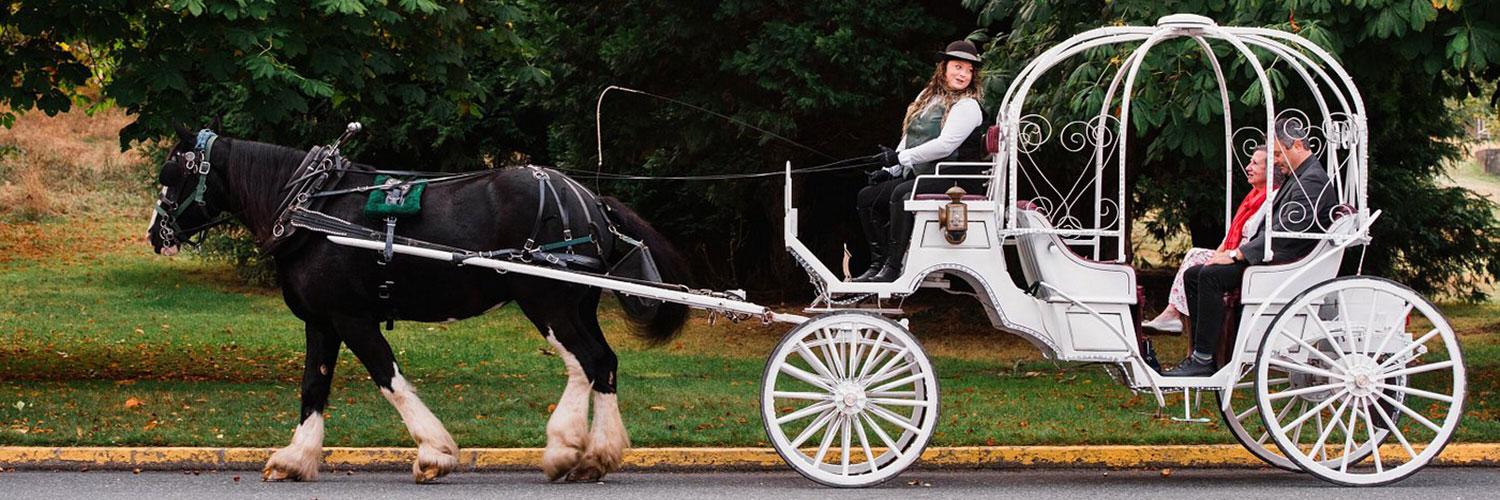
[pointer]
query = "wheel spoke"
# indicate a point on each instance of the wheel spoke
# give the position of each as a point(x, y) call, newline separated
point(818, 396)
point(1343, 307)
point(844, 446)
point(857, 344)
point(1391, 426)
point(1349, 438)
point(817, 365)
point(812, 429)
point(893, 418)
point(1411, 413)
point(828, 433)
point(1309, 414)
point(1370, 323)
point(1417, 392)
point(1312, 317)
point(1315, 351)
point(884, 438)
point(803, 413)
point(1364, 405)
point(1333, 422)
point(891, 394)
point(802, 375)
point(1282, 415)
point(1409, 347)
point(1305, 390)
point(1291, 365)
point(864, 442)
point(1246, 413)
point(874, 355)
point(880, 374)
point(831, 352)
point(1419, 369)
point(901, 402)
point(899, 382)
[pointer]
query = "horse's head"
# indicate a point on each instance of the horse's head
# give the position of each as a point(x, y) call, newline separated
point(188, 204)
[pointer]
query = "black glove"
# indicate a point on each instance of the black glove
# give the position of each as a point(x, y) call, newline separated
point(886, 157)
point(879, 175)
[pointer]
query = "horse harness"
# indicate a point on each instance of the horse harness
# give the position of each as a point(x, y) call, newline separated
point(195, 164)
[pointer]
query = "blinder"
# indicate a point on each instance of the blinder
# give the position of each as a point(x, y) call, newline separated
point(195, 166)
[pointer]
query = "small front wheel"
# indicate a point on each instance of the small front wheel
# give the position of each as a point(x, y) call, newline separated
point(849, 399)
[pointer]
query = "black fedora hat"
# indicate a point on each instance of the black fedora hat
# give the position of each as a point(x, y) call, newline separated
point(962, 50)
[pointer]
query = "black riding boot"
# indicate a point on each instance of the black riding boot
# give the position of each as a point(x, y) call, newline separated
point(896, 251)
point(877, 261)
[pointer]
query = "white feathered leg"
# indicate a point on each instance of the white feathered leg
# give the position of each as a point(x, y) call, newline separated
point(567, 429)
point(607, 442)
point(437, 453)
point(299, 461)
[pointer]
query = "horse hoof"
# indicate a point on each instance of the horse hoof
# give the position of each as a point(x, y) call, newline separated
point(558, 462)
point(587, 471)
point(432, 464)
point(291, 465)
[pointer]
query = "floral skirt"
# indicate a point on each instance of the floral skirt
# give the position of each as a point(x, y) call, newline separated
point(1195, 257)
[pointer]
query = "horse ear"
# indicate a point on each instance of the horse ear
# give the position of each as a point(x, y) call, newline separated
point(216, 124)
point(183, 132)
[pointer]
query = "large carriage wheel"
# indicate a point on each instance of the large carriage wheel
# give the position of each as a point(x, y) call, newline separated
point(849, 399)
point(1370, 367)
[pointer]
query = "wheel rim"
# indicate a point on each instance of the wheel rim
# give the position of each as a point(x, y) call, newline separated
point(849, 399)
point(1375, 370)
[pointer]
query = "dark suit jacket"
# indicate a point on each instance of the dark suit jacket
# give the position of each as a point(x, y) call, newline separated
point(1305, 204)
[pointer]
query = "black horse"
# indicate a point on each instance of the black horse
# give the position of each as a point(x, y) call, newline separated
point(336, 290)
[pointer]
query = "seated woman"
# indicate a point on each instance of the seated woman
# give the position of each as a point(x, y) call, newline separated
point(944, 116)
point(1248, 219)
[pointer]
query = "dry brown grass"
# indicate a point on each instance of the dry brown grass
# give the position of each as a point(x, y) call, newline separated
point(69, 164)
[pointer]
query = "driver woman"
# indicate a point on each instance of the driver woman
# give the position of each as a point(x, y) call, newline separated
point(945, 115)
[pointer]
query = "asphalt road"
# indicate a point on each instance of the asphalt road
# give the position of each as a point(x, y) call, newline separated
point(1191, 484)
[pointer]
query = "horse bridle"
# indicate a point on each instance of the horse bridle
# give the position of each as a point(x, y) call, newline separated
point(195, 164)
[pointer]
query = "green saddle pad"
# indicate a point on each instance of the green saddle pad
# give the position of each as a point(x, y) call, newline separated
point(393, 201)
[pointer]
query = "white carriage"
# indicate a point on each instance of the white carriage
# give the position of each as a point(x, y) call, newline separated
point(1357, 380)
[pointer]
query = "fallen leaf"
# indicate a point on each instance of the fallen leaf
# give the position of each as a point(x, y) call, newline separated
point(659, 408)
point(1166, 473)
point(551, 408)
point(133, 403)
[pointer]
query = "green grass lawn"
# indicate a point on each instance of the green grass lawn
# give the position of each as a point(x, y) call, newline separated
point(104, 343)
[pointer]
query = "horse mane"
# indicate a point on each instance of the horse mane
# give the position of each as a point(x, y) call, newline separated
point(259, 172)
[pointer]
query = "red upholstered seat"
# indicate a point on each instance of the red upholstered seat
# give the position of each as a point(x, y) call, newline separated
point(944, 197)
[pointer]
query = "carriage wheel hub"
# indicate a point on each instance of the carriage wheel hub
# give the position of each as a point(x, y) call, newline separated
point(1364, 374)
point(849, 398)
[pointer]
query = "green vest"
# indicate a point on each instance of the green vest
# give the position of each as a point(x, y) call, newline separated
point(926, 126)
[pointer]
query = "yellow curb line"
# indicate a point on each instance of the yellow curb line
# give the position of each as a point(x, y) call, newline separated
point(178, 458)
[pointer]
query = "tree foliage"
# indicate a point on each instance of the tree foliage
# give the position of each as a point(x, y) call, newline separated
point(1409, 59)
point(433, 82)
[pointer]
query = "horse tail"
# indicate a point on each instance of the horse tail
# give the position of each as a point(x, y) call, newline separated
point(654, 320)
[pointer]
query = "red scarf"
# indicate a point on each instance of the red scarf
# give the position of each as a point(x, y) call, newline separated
point(1248, 207)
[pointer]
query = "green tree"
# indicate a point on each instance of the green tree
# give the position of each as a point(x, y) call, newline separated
point(1409, 59)
point(433, 82)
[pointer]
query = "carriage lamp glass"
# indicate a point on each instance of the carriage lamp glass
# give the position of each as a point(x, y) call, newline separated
point(954, 217)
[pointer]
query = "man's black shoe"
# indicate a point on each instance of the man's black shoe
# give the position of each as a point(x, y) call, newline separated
point(887, 274)
point(1191, 367)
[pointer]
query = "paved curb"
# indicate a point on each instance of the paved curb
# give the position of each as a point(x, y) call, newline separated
point(173, 458)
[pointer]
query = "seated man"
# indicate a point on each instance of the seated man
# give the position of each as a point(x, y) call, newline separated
point(1301, 202)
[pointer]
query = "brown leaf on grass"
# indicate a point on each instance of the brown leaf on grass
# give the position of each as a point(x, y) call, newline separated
point(659, 408)
point(551, 408)
point(989, 442)
point(150, 425)
point(133, 403)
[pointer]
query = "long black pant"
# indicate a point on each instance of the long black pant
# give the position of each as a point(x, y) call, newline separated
point(895, 218)
point(871, 202)
point(1205, 286)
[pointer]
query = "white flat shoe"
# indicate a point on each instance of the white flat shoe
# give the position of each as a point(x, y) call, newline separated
point(1164, 325)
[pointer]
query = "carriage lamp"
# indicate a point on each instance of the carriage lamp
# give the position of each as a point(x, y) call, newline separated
point(954, 217)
